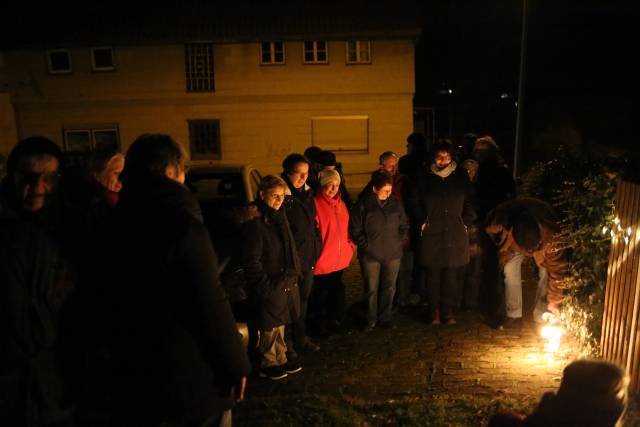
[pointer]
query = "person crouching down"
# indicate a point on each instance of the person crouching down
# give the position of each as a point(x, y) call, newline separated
point(379, 226)
point(272, 271)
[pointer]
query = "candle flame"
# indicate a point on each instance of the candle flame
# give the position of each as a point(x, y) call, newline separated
point(552, 332)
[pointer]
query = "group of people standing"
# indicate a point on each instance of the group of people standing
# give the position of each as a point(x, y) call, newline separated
point(112, 301)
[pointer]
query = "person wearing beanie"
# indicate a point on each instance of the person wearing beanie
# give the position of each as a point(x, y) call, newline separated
point(332, 217)
point(528, 227)
point(327, 161)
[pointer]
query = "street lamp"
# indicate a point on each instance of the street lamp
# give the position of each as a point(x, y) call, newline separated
point(520, 102)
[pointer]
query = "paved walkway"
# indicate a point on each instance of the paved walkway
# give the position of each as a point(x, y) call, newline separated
point(422, 361)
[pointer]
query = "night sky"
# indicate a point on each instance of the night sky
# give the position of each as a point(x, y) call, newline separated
point(578, 66)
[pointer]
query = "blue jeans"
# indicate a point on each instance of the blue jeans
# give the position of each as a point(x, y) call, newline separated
point(380, 287)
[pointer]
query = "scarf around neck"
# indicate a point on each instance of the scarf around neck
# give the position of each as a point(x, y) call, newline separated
point(444, 172)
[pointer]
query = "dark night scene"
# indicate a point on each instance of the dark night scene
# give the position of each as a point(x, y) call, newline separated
point(328, 213)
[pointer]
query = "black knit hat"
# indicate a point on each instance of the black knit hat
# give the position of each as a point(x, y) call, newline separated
point(326, 158)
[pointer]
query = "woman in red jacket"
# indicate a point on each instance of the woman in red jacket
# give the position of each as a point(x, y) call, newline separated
point(335, 256)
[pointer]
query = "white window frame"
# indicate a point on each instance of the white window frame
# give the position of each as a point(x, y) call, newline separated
point(50, 65)
point(315, 52)
point(272, 53)
point(91, 130)
point(358, 43)
point(94, 67)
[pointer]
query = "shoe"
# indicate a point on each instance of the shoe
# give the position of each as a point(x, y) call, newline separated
point(512, 323)
point(273, 372)
point(434, 318)
point(369, 327)
point(291, 367)
point(450, 321)
point(306, 344)
point(435, 321)
point(388, 324)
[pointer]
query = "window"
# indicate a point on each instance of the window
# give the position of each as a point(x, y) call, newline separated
point(87, 139)
point(199, 67)
point(359, 52)
point(102, 59)
point(272, 53)
point(315, 52)
point(204, 139)
point(341, 133)
point(59, 61)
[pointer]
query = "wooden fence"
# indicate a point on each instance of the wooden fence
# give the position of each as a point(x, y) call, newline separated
point(620, 341)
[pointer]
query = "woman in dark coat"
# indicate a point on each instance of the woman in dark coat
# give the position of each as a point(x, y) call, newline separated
point(272, 271)
point(441, 203)
point(379, 226)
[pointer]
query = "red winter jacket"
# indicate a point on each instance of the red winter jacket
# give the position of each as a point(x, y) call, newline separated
point(333, 221)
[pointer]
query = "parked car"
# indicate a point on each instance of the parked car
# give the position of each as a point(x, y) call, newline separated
point(224, 192)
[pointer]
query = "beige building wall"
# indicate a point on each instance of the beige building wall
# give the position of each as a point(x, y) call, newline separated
point(265, 111)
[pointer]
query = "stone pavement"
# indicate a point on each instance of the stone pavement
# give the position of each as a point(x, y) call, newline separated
point(422, 361)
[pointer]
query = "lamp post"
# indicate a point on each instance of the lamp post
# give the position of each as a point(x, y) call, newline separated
point(520, 105)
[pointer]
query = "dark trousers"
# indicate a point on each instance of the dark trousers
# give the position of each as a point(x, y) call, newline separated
point(327, 300)
point(443, 289)
point(471, 278)
point(298, 329)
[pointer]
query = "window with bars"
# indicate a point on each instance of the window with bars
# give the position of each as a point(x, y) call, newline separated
point(315, 52)
point(272, 53)
point(359, 52)
point(204, 139)
point(199, 67)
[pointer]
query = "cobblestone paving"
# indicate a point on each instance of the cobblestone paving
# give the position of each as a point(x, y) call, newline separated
point(417, 360)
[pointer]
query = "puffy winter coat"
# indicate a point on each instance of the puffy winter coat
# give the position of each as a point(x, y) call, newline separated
point(333, 222)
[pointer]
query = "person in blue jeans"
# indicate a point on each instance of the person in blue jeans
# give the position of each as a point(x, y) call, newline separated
point(379, 226)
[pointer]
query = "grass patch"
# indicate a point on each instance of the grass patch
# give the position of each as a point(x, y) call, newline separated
point(322, 410)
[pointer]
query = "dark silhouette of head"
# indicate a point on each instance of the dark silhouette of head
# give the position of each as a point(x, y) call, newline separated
point(526, 231)
point(290, 162)
point(153, 155)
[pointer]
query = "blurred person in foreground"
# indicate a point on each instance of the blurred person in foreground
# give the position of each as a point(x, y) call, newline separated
point(592, 393)
point(168, 350)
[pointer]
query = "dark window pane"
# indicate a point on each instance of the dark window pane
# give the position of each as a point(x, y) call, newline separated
point(266, 47)
point(204, 137)
point(322, 56)
point(103, 58)
point(266, 57)
point(308, 56)
point(106, 140)
point(321, 45)
point(279, 57)
point(60, 61)
point(308, 45)
point(78, 140)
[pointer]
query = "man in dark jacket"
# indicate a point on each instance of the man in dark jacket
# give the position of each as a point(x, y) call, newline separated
point(301, 213)
point(173, 351)
point(441, 204)
point(33, 283)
